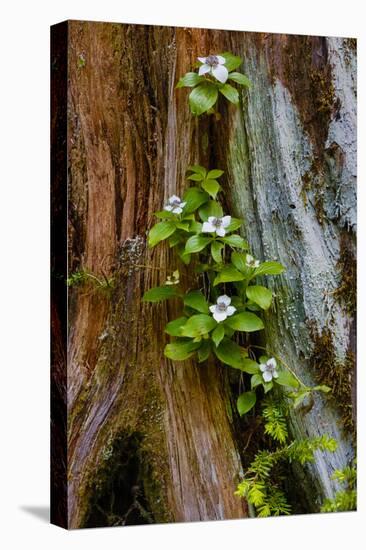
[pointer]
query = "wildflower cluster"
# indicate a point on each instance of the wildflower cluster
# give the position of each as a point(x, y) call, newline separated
point(224, 303)
point(211, 80)
point(227, 299)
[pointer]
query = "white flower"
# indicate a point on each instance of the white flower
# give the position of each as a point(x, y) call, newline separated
point(222, 308)
point(269, 369)
point(216, 225)
point(173, 279)
point(175, 205)
point(215, 65)
point(251, 262)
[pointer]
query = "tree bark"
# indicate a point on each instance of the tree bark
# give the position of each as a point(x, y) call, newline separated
point(289, 156)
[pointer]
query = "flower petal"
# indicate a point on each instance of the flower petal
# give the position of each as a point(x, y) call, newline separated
point(177, 210)
point(224, 299)
point(220, 231)
point(168, 207)
point(221, 59)
point(226, 221)
point(208, 227)
point(267, 376)
point(221, 73)
point(219, 316)
point(230, 310)
point(249, 258)
point(204, 69)
point(202, 59)
point(212, 309)
point(182, 204)
point(263, 367)
point(275, 374)
point(173, 198)
point(211, 219)
point(272, 362)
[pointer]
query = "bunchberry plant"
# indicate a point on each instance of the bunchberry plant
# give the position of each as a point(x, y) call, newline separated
point(214, 72)
point(222, 305)
point(227, 299)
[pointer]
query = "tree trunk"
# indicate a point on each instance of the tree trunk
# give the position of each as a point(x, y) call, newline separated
point(290, 156)
point(150, 440)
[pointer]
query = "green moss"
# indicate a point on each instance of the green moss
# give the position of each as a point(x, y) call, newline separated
point(346, 293)
point(313, 181)
point(335, 374)
point(324, 96)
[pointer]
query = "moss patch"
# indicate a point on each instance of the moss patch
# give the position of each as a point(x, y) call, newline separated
point(346, 293)
point(301, 63)
point(335, 374)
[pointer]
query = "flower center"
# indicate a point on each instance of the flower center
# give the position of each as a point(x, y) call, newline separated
point(217, 222)
point(212, 60)
point(270, 368)
point(176, 202)
point(221, 306)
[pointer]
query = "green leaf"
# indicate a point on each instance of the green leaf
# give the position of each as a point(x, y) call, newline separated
point(218, 334)
point(228, 275)
point(196, 300)
point(236, 241)
point(260, 295)
point(198, 169)
point(286, 378)
point(212, 208)
point(246, 401)
point(232, 61)
point(186, 258)
point(256, 380)
point(229, 353)
point(323, 388)
point(195, 177)
point(299, 397)
point(246, 321)
point(162, 214)
point(196, 243)
point(204, 351)
point(240, 79)
point(213, 174)
point(267, 386)
point(250, 366)
point(238, 259)
point(195, 227)
point(269, 268)
point(194, 197)
point(173, 328)
point(198, 325)
point(234, 224)
point(212, 187)
point(190, 80)
point(183, 226)
point(174, 239)
point(216, 248)
point(159, 293)
point(160, 232)
point(230, 93)
point(202, 98)
point(180, 350)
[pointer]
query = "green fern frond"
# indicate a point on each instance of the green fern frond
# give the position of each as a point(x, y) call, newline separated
point(274, 413)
